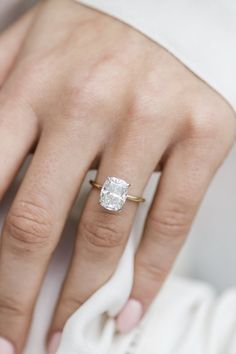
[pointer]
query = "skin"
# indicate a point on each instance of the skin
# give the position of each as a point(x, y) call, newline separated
point(83, 90)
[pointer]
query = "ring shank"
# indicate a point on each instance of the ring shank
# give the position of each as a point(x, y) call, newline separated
point(132, 198)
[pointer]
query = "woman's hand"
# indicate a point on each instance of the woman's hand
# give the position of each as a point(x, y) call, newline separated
point(83, 90)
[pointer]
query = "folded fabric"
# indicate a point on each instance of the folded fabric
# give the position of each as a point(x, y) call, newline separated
point(186, 317)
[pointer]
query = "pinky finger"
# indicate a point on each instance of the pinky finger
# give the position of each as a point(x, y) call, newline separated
point(184, 181)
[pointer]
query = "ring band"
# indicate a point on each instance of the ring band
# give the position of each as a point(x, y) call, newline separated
point(114, 193)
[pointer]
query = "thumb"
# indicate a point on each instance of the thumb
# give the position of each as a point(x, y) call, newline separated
point(10, 43)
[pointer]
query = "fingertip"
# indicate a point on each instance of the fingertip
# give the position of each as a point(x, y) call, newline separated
point(129, 316)
point(53, 343)
point(6, 347)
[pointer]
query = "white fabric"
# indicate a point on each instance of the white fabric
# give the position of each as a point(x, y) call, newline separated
point(185, 318)
point(201, 33)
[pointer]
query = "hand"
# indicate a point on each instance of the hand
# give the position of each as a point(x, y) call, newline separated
point(82, 90)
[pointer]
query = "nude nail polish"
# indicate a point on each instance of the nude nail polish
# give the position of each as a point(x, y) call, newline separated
point(129, 316)
point(54, 343)
point(6, 347)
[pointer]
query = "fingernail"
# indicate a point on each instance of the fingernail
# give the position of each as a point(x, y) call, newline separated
point(6, 347)
point(54, 343)
point(129, 316)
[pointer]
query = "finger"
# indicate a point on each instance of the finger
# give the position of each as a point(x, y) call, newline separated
point(185, 179)
point(102, 235)
point(18, 122)
point(10, 43)
point(34, 224)
point(18, 133)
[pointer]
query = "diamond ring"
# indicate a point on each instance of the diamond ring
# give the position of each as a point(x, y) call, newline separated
point(114, 193)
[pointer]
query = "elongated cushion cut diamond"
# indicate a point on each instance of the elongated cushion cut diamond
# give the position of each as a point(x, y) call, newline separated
point(114, 193)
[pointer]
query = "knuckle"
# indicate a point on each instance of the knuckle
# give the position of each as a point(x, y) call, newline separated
point(148, 102)
point(149, 278)
point(212, 133)
point(89, 97)
point(36, 68)
point(205, 124)
point(98, 234)
point(71, 303)
point(211, 120)
point(29, 224)
point(80, 103)
point(97, 93)
point(144, 107)
point(173, 222)
point(30, 75)
point(150, 270)
point(12, 109)
point(11, 308)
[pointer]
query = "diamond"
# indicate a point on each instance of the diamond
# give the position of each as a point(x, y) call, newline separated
point(114, 193)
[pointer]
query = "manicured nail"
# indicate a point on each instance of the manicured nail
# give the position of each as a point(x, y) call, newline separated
point(54, 343)
point(6, 347)
point(129, 316)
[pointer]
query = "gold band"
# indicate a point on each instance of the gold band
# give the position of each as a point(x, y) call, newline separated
point(132, 198)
